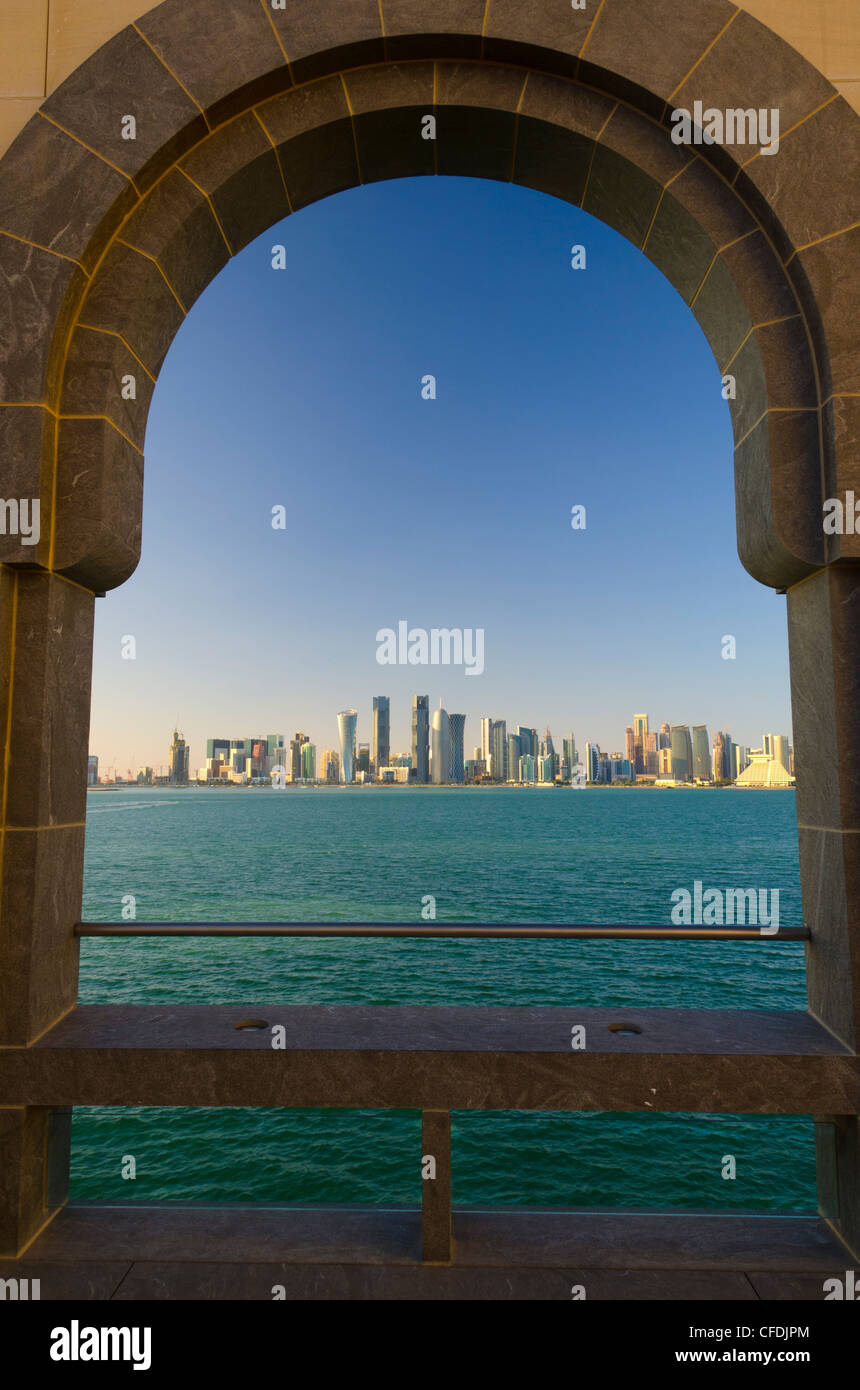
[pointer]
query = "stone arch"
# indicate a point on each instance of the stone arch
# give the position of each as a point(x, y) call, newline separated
point(105, 242)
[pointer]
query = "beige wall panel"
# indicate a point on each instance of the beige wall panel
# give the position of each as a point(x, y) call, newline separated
point(827, 32)
point(14, 115)
point(23, 27)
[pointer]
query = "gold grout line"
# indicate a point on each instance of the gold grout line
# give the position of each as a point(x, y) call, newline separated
point(381, 17)
point(828, 829)
point(766, 323)
point(202, 191)
point(110, 422)
point(653, 218)
point(55, 456)
point(753, 231)
point(711, 265)
point(175, 75)
point(352, 124)
point(78, 141)
point(590, 32)
point(840, 395)
point(484, 23)
point(278, 38)
point(776, 410)
point(112, 333)
point(67, 825)
point(597, 139)
point(37, 246)
point(277, 158)
point(687, 166)
point(74, 583)
point(120, 241)
point(517, 130)
point(34, 405)
point(702, 57)
point(796, 126)
point(523, 93)
point(852, 226)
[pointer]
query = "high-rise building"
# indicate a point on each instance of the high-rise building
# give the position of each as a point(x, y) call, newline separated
point(767, 745)
point(347, 720)
point(780, 750)
point(665, 736)
point(652, 750)
point(179, 753)
point(630, 744)
point(296, 745)
point(592, 762)
point(514, 755)
point(499, 750)
point(329, 765)
point(640, 731)
point(664, 762)
point(309, 762)
point(440, 747)
point(457, 726)
point(421, 738)
point(486, 739)
point(144, 777)
point(682, 753)
point(722, 756)
point(380, 737)
point(363, 759)
point(701, 753)
point(568, 762)
point(92, 770)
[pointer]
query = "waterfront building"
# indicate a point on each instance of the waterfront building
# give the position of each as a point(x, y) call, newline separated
point(514, 755)
point(144, 777)
point(347, 720)
point(592, 762)
point(652, 751)
point(780, 751)
point(457, 726)
point(764, 771)
point(421, 738)
point(296, 744)
point(526, 771)
point(440, 747)
point(362, 765)
point(767, 745)
point(640, 731)
point(682, 753)
point(309, 762)
point(179, 754)
point(329, 765)
point(546, 768)
point(380, 734)
point(630, 743)
point(664, 762)
point(722, 756)
point(499, 750)
point(665, 736)
point(701, 753)
point(92, 770)
point(568, 762)
point(395, 773)
point(739, 760)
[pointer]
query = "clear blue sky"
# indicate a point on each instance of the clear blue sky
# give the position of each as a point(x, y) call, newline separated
point(555, 387)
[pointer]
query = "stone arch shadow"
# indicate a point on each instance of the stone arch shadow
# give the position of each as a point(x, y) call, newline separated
point(105, 243)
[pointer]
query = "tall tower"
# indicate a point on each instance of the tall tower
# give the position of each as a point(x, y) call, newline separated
point(499, 750)
point(346, 726)
point(178, 760)
point(701, 753)
point(682, 753)
point(440, 747)
point(380, 738)
point(421, 737)
point(457, 726)
point(640, 732)
point(780, 750)
point(486, 739)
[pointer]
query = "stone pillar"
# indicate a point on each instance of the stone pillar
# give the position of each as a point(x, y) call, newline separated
point(45, 657)
point(824, 649)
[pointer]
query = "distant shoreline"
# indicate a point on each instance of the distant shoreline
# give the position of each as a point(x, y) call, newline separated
point(431, 787)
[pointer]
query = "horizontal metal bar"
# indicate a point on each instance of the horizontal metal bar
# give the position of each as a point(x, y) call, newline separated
point(462, 930)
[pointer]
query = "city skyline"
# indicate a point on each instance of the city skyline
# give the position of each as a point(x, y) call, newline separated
point(672, 751)
point(546, 397)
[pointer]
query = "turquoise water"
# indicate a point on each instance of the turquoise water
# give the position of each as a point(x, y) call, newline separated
point(494, 855)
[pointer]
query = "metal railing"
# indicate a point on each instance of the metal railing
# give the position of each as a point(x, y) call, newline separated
point(461, 930)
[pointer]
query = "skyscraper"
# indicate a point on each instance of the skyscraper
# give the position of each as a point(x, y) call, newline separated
point(309, 762)
point(457, 726)
point(380, 739)
point(514, 755)
point(723, 765)
point(630, 744)
point(296, 745)
point(92, 770)
point(486, 739)
point(569, 759)
point(499, 750)
point(329, 765)
point(346, 726)
point(440, 747)
point(178, 760)
point(701, 753)
point(780, 750)
point(640, 731)
point(682, 753)
point(665, 736)
point(421, 737)
point(592, 762)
